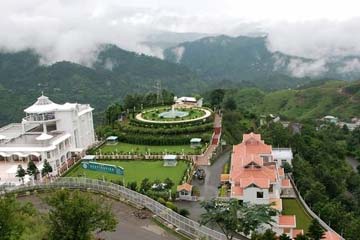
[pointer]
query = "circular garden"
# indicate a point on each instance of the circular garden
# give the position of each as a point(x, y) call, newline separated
point(173, 115)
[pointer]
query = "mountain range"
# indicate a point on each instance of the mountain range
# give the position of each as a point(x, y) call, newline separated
point(248, 59)
point(114, 74)
point(198, 65)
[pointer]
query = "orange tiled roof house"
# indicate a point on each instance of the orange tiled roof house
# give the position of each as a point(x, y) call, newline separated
point(256, 176)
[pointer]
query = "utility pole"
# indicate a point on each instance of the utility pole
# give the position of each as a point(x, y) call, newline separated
point(159, 98)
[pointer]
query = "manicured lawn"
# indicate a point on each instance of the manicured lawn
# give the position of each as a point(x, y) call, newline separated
point(126, 147)
point(135, 170)
point(294, 207)
point(153, 114)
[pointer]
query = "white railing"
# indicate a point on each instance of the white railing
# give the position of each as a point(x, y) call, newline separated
point(310, 212)
point(183, 224)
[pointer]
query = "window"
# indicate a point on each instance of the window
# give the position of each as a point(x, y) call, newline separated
point(283, 161)
point(271, 189)
point(259, 195)
point(48, 154)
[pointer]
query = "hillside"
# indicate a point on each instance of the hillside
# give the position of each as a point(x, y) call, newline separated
point(248, 59)
point(115, 73)
point(337, 98)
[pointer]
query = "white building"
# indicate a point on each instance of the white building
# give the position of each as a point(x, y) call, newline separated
point(188, 102)
point(55, 132)
point(256, 177)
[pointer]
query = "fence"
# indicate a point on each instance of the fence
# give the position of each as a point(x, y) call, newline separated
point(312, 214)
point(183, 224)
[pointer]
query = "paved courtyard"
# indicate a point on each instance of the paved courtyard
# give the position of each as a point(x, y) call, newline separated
point(129, 227)
point(8, 172)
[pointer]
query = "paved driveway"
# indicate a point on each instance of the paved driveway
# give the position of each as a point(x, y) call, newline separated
point(208, 188)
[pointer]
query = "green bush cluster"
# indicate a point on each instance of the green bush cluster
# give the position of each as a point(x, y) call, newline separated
point(132, 129)
point(226, 168)
point(172, 206)
point(161, 140)
point(135, 122)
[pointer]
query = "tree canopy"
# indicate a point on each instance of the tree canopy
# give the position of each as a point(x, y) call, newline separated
point(75, 215)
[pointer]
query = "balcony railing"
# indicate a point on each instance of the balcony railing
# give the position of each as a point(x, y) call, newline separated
point(40, 117)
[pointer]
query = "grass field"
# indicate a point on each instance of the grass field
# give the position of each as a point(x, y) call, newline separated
point(126, 147)
point(294, 207)
point(135, 170)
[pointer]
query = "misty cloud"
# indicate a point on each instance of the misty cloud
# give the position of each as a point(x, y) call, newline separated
point(300, 68)
point(73, 30)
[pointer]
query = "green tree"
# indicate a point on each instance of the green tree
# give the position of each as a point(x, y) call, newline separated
point(301, 237)
point(287, 167)
point(46, 169)
point(20, 173)
point(184, 212)
point(145, 185)
point(14, 218)
point(234, 217)
point(132, 185)
point(32, 170)
point(112, 113)
point(267, 235)
point(169, 183)
point(76, 215)
point(216, 97)
point(315, 232)
point(230, 104)
point(284, 237)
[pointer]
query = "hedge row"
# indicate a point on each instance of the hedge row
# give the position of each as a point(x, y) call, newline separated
point(135, 122)
point(129, 129)
point(160, 140)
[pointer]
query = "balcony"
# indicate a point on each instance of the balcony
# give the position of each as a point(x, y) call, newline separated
point(40, 117)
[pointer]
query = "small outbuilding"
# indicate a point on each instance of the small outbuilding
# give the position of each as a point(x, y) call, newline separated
point(184, 191)
point(89, 158)
point(170, 160)
point(112, 140)
point(195, 142)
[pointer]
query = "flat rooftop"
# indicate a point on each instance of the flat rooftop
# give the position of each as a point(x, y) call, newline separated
point(11, 130)
point(29, 140)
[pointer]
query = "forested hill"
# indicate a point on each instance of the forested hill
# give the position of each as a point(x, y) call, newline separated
point(115, 73)
point(248, 59)
point(338, 98)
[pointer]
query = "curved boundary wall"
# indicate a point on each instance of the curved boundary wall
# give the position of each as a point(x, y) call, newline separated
point(183, 224)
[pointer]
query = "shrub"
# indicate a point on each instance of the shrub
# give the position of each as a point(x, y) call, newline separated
point(132, 185)
point(184, 212)
point(171, 206)
point(226, 168)
point(161, 200)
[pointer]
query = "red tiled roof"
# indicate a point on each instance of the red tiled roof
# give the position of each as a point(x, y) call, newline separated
point(184, 186)
point(297, 232)
point(247, 166)
point(237, 191)
point(260, 182)
point(285, 183)
point(287, 220)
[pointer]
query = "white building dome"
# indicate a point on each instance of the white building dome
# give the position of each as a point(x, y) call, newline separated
point(42, 105)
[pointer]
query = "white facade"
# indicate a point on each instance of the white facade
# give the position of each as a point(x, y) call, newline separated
point(282, 155)
point(50, 131)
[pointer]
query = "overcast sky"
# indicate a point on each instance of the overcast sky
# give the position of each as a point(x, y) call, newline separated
point(72, 29)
